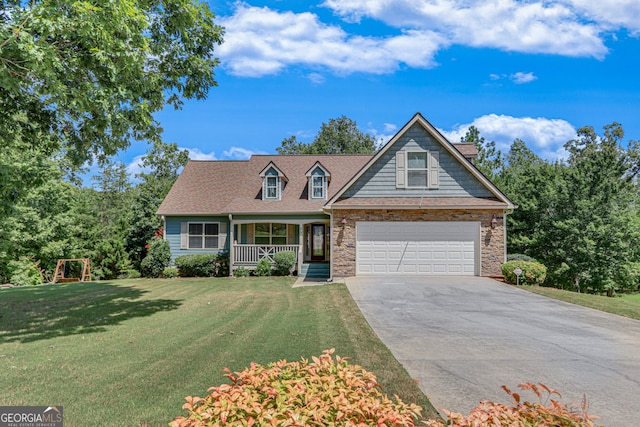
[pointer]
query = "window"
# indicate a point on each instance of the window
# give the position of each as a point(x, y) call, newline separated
point(271, 187)
point(203, 235)
point(271, 234)
point(417, 169)
point(317, 187)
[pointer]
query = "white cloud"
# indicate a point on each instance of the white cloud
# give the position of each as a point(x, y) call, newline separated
point(382, 137)
point(530, 27)
point(135, 167)
point(546, 137)
point(238, 153)
point(517, 78)
point(197, 154)
point(611, 13)
point(520, 77)
point(316, 78)
point(261, 41)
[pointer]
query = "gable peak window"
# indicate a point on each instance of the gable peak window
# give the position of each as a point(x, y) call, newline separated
point(417, 169)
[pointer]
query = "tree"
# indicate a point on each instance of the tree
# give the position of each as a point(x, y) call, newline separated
point(579, 218)
point(339, 136)
point(489, 160)
point(83, 79)
point(163, 163)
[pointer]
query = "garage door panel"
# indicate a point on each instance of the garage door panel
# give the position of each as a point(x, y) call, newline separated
point(417, 247)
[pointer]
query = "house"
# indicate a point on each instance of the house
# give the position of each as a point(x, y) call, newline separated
point(418, 206)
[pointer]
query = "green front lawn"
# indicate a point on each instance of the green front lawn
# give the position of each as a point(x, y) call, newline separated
point(127, 352)
point(625, 305)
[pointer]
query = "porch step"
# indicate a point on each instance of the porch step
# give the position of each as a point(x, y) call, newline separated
point(314, 270)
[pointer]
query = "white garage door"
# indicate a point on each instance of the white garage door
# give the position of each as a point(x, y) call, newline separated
point(417, 248)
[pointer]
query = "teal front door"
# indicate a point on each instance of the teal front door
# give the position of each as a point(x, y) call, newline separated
point(318, 242)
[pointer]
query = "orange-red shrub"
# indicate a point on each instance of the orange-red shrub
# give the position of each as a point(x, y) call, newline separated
point(323, 392)
point(522, 414)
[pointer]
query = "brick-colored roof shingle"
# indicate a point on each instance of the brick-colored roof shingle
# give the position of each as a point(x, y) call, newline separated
point(223, 187)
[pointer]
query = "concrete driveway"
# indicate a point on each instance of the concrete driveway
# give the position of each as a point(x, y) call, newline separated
point(462, 338)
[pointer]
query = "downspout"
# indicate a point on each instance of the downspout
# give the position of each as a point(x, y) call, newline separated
point(331, 246)
point(231, 237)
point(504, 224)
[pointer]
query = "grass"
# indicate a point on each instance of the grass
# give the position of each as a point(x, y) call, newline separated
point(624, 305)
point(127, 352)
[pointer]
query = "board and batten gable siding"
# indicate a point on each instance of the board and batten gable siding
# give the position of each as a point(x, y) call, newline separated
point(173, 228)
point(454, 179)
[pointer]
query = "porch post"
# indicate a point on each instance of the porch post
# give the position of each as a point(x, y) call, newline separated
point(300, 247)
point(231, 240)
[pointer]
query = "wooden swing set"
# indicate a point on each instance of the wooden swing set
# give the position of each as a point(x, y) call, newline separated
point(60, 268)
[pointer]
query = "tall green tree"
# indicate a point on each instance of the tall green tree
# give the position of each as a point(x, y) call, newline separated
point(41, 227)
point(338, 136)
point(161, 167)
point(84, 78)
point(579, 218)
point(490, 160)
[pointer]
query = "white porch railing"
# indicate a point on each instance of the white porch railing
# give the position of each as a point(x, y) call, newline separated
point(249, 255)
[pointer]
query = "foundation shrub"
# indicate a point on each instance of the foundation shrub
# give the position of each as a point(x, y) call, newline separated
point(549, 413)
point(520, 257)
point(533, 273)
point(285, 261)
point(241, 272)
point(196, 265)
point(325, 392)
point(263, 268)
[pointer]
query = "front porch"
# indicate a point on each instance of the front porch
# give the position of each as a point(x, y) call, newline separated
point(252, 241)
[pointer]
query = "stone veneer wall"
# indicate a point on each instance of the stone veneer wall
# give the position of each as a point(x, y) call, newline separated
point(492, 242)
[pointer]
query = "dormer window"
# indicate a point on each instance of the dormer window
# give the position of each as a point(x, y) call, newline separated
point(273, 182)
point(317, 187)
point(272, 187)
point(319, 178)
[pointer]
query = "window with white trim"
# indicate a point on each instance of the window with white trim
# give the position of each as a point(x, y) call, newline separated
point(417, 169)
point(270, 234)
point(203, 235)
point(318, 189)
point(271, 187)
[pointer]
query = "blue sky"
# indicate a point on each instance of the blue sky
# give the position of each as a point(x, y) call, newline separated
point(528, 69)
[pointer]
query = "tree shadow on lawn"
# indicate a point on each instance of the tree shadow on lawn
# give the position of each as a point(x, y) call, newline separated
point(37, 313)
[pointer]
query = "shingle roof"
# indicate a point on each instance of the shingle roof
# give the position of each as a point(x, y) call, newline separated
point(467, 149)
point(222, 187)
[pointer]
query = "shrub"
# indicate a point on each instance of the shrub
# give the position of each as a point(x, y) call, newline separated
point(170, 272)
point(263, 268)
point(241, 272)
point(111, 259)
point(132, 273)
point(533, 273)
point(197, 265)
point(520, 257)
point(222, 264)
point(157, 259)
point(554, 414)
point(284, 261)
point(24, 272)
point(324, 392)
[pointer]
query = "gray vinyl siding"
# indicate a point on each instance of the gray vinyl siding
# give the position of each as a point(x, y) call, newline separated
point(380, 179)
point(172, 233)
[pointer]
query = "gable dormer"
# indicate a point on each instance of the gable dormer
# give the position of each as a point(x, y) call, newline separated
point(273, 182)
point(318, 178)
